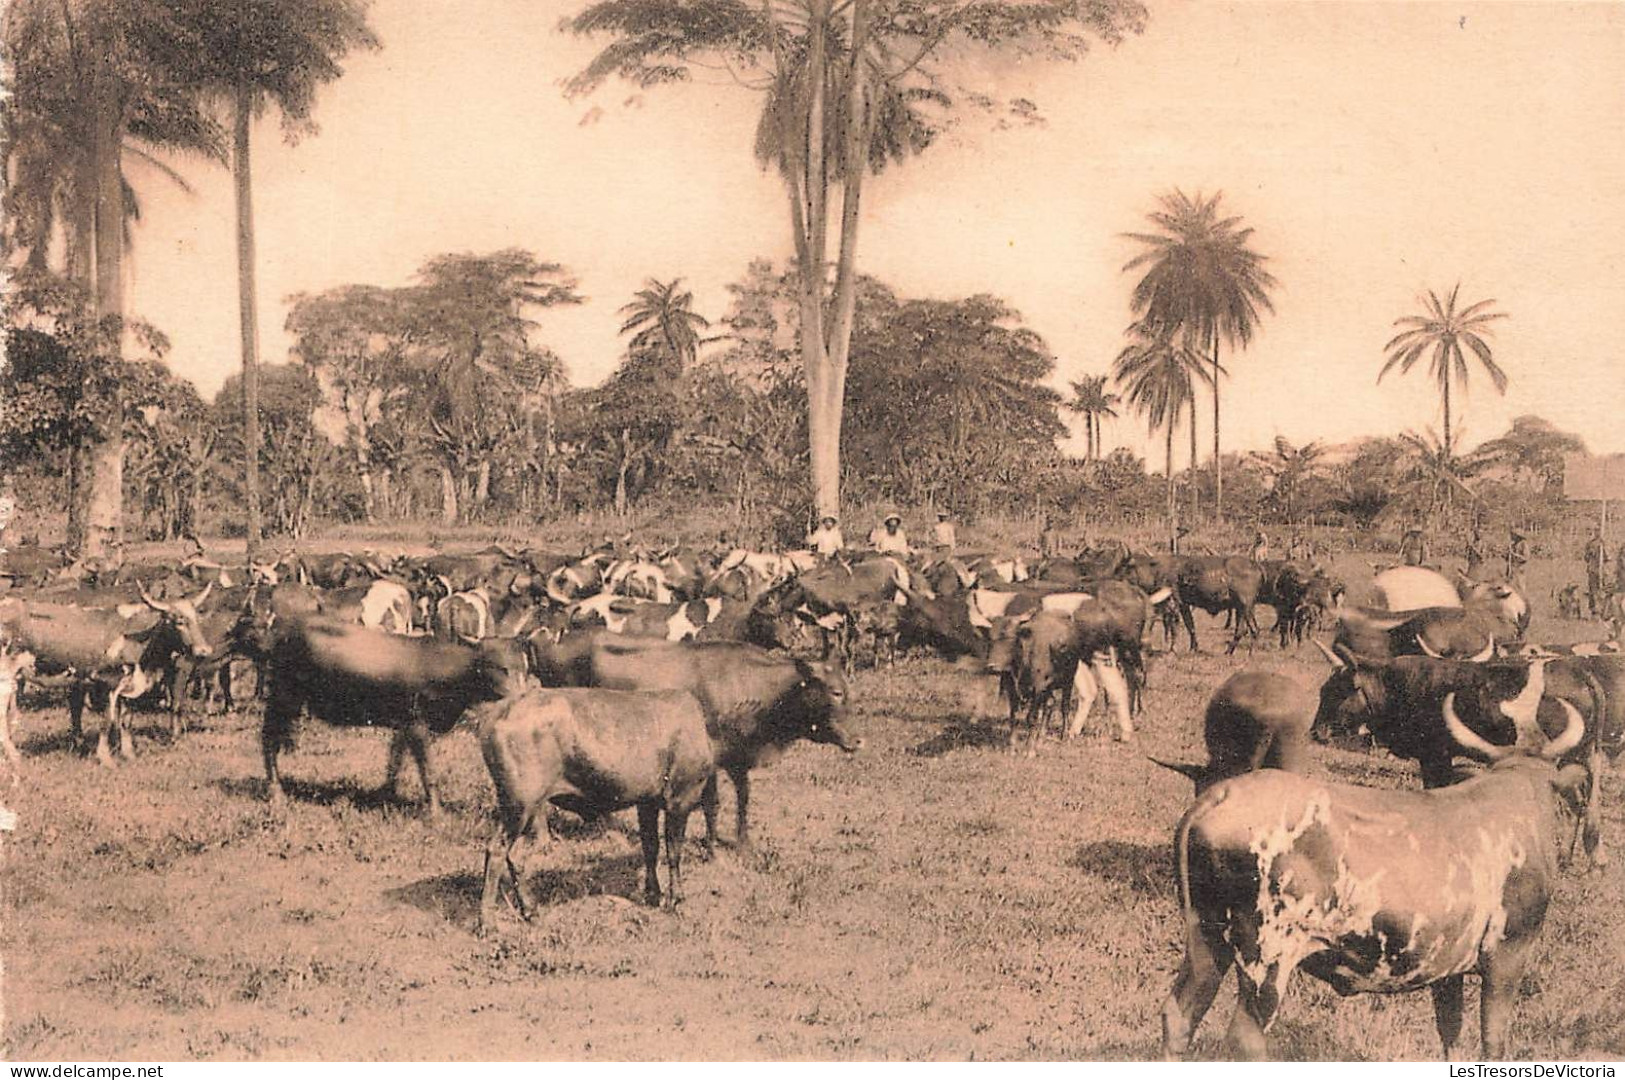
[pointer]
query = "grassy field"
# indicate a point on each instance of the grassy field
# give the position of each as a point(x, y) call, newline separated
point(931, 897)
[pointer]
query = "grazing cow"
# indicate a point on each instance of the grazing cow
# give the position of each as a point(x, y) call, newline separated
point(756, 703)
point(1036, 658)
point(592, 752)
point(127, 651)
point(1045, 653)
point(351, 675)
point(1255, 720)
point(1370, 891)
point(14, 668)
point(1298, 592)
point(1212, 583)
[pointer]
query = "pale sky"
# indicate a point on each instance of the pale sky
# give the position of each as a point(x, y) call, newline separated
point(1376, 148)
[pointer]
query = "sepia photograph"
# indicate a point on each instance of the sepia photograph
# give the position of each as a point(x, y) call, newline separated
point(811, 530)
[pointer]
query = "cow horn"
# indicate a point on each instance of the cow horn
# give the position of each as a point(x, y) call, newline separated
point(1195, 771)
point(1331, 657)
point(1572, 733)
point(146, 598)
point(1483, 655)
point(1465, 737)
point(1159, 596)
point(1422, 643)
point(197, 601)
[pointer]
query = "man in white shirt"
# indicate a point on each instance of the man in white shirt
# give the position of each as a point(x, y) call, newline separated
point(942, 533)
point(826, 540)
point(888, 537)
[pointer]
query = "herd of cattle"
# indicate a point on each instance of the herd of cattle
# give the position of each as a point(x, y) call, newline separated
point(620, 678)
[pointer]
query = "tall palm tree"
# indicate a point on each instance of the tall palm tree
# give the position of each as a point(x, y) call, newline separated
point(1439, 333)
point(1092, 401)
point(248, 54)
point(89, 88)
point(1158, 374)
point(662, 317)
point(1203, 279)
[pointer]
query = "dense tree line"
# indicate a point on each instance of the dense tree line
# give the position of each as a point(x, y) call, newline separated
point(440, 399)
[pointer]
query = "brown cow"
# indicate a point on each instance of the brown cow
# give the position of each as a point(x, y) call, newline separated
point(592, 752)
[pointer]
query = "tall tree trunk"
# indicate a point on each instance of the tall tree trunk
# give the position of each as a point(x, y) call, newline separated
point(448, 496)
point(386, 492)
point(248, 310)
point(105, 499)
point(620, 476)
point(1218, 461)
point(482, 485)
point(1447, 444)
point(81, 268)
point(1173, 508)
point(1195, 487)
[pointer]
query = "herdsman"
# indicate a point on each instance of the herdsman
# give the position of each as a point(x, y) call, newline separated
point(942, 533)
point(1413, 549)
point(888, 537)
point(826, 540)
point(1596, 560)
point(1517, 557)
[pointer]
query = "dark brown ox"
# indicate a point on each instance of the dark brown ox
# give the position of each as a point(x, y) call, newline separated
point(352, 676)
point(1429, 710)
point(1368, 890)
point(1453, 633)
point(1214, 583)
point(1255, 720)
point(756, 703)
point(123, 652)
point(592, 752)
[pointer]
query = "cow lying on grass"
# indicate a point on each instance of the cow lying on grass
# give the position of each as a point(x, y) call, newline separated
point(591, 752)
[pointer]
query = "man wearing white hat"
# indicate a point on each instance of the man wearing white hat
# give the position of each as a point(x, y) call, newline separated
point(888, 537)
point(826, 540)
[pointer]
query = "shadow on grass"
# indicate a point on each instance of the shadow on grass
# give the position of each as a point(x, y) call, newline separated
point(963, 733)
point(1147, 869)
point(55, 742)
point(456, 897)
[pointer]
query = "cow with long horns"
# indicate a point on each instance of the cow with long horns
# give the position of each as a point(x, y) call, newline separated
point(125, 651)
point(1370, 891)
point(1430, 710)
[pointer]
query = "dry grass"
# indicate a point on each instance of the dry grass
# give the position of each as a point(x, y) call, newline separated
point(932, 897)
